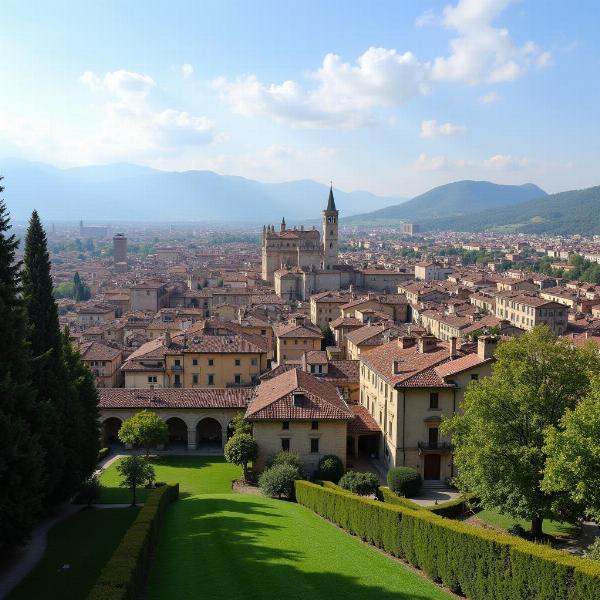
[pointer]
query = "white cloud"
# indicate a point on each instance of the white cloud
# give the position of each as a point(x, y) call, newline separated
point(482, 52)
point(505, 162)
point(187, 70)
point(349, 95)
point(427, 18)
point(280, 152)
point(489, 98)
point(496, 163)
point(132, 125)
point(345, 95)
point(433, 129)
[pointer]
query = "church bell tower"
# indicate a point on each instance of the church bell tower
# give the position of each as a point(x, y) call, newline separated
point(330, 233)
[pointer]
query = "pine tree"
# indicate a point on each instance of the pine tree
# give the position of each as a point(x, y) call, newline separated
point(82, 441)
point(21, 456)
point(47, 373)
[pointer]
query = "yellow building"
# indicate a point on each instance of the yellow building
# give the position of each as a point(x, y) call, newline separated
point(104, 362)
point(407, 386)
point(295, 338)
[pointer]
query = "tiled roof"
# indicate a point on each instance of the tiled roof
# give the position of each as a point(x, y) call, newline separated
point(98, 351)
point(363, 422)
point(372, 334)
point(175, 398)
point(274, 399)
point(458, 365)
point(291, 330)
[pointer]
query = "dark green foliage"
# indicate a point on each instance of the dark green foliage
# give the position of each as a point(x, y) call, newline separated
point(80, 289)
point(124, 576)
point(102, 454)
point(239, 424)
point(328, 337)
point(391, 497)
point(404, 481)
point(363, 484)
point(278, 481)
point(452, 509)
point(89, 491)
point(135, 471)
point(330, 468)
point(21, 456)
point(47, 370)
point(241, 450)
point(477, 563)
point(285, 457)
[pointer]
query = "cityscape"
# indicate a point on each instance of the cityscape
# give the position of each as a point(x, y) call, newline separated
point(300, 339)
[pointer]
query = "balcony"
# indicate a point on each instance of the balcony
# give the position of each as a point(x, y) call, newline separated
point(177, 367)
point(435, 446)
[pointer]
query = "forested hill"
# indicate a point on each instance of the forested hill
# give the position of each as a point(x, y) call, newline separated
point(566, 213)
point(452, 200)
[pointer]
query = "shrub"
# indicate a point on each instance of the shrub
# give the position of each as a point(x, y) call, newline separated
point(363, 484)
point(593, 550)
point(89, 491)
point(285, 457)
point(102, 454)
point(124, 576)
point(393, 498)
point(404, 481)
point(477, 563)
point(517, 530)
point(330, 468)
point(278, 481)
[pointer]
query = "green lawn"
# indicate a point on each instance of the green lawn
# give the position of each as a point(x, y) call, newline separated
point(195, 475)
point(496, 519)
point(85, 542)
point(220, 545)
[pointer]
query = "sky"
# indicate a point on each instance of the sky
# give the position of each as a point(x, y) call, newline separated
point(393, 97)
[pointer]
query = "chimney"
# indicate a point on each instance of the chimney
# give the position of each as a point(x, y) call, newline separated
point(396, 367)
point(406, 341)
point(426, 343)
point(167, 338)
point(452, 347)
point(486, 346)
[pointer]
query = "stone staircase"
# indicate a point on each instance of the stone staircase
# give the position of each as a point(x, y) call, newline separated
point(434, 484)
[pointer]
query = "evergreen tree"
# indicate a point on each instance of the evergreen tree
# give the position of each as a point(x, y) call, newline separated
point(47, 373)
point(20, 453)
point(82, 439)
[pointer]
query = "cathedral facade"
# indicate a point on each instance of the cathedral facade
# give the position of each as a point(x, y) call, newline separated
point(301, 250)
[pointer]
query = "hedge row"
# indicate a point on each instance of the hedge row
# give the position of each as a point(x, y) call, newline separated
point(451, 509)
point(102, 453)
point(124, 576)
point(478, 563)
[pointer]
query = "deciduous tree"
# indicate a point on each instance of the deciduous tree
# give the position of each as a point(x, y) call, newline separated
point(145, 429)
point(241, 450)
point(135, 471)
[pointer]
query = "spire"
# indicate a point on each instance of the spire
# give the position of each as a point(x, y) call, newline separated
point(283, 224)
point(331, 202)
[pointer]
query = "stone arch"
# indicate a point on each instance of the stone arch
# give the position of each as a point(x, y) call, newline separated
point(110, 431)
point(209, 434)
point(178, 432)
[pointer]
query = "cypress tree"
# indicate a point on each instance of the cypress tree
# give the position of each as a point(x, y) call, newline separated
point(48, 373)
point(82, 428)
point(21, 456)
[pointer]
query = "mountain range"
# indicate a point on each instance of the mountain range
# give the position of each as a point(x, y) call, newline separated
point(126, 192)
point(457, 199)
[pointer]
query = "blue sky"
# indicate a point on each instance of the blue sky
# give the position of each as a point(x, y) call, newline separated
point(393, 97)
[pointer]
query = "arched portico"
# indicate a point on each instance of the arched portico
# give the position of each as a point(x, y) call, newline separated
point(210, 435)
point(178, 433)
point(110, 432)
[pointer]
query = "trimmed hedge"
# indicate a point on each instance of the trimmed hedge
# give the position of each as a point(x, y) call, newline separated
point(451, 509)
point(478, 563)
point(392, 498)
point(404, 481)
point(102, 453)
point(124, 576)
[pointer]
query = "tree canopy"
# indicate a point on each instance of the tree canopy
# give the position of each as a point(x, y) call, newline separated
point(145, 429)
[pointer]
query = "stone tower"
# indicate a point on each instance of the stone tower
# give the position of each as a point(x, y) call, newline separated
point(330, 233)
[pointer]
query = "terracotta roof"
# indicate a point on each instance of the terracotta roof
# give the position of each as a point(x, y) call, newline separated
point(275, 399)
point(372, 334)
point(363, 422)
point(98, 351)
point(291, 330)
point(458, 365)
point(175, 398)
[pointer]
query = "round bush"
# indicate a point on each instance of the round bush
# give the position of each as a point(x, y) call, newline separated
point(285, 457)
point(363, 484)
point(330, 468)
point(278, 481)
point(404, 481)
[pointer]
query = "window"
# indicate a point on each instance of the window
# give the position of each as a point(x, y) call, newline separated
point(194, 379)
point(211, 362)
point(314, 425)
point(433, 436)
point(211, 379)
point(263, 332)
point(195, 362)
point(152, 379)
point(474, 376)
point(285, 425)
point(237, 378)
point(285, 444)
point(434, 400)
point(253, 362)
point(314, 445)
point(238, 362)
point(177, 362)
